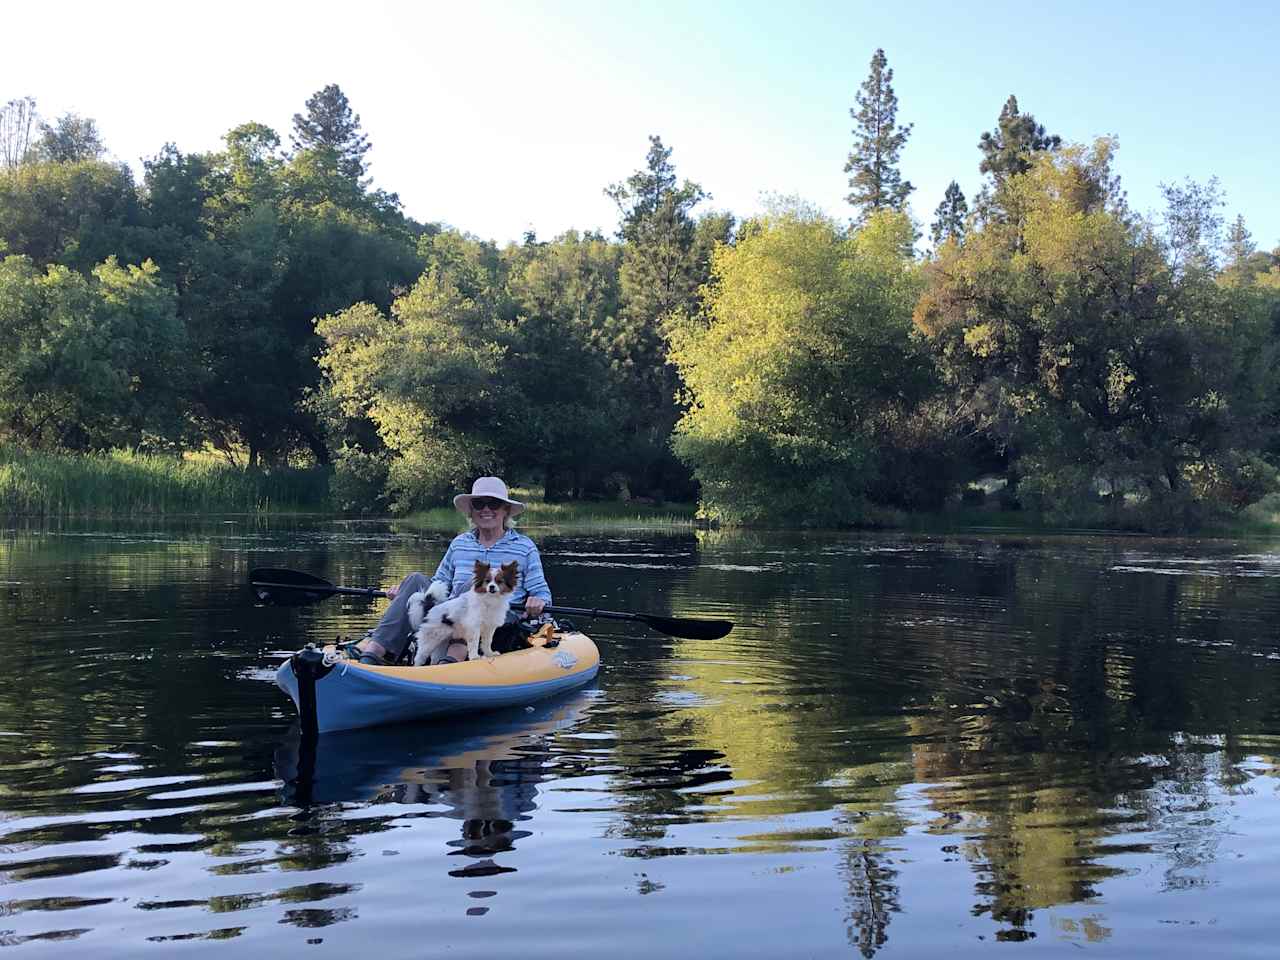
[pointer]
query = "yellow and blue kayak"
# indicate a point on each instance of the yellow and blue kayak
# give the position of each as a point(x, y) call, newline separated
point(332, 692)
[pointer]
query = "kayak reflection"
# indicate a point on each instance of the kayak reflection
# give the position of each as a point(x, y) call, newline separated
point(483, 770)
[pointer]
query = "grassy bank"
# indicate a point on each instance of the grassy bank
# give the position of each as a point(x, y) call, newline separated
point(123, 484)
point(595, 515)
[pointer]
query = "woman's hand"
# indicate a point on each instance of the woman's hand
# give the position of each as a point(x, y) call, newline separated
point(392, 591)
point(533, 606)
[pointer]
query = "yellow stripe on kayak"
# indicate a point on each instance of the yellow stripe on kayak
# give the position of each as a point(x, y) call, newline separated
point(574, 653)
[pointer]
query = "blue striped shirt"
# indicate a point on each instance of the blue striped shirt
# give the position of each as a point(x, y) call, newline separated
point(457, 566)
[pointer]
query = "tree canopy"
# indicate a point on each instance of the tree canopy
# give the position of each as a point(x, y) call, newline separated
point(267, 301)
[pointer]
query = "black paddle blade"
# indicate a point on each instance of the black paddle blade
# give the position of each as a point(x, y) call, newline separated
point(288, 588)
point(688, 629)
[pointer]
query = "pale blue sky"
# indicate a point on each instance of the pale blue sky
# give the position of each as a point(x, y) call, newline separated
point(516, 115)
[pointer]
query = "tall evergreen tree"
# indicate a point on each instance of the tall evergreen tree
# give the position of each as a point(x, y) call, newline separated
point(662, 267)
point(332, 132)
point(1010, 148)
point(949, 218)
point(659, 231)
point(876, 182)
point(1240, 245)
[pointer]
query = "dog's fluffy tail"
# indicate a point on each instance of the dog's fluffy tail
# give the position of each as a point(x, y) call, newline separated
point(424, 600)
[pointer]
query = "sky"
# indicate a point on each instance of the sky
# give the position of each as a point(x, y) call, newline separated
point(504, 117)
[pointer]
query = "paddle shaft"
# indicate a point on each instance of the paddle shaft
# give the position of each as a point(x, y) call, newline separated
point(266, 580)
point(319, 588)
point(592, 612)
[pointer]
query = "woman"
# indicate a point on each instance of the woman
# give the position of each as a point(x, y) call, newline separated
point(491, 539)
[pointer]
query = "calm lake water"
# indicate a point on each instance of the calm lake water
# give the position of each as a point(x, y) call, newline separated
point(909, 746)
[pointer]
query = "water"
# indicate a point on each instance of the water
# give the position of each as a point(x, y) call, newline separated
point(908, 745)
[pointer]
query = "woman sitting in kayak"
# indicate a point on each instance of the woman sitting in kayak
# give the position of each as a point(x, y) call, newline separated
point(491, 539)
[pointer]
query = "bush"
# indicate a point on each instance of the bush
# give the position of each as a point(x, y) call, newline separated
point(359, 481)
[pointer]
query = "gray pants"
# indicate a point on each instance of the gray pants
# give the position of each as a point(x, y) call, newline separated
point(394, 630)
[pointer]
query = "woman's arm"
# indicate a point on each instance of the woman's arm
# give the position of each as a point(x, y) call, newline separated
point(444, 572)
point(535, 583)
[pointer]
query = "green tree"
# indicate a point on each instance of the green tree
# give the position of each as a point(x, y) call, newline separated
point(802, 354)
point(256, 259)
point(93, 362)
point(1193, 223)
point(565, 294)
point(71, 138)
point(428, 378)
point(76, 213)
point(1078, 345)
point(949, 219)
point(330, 132)
point(876, 183)
point(664, 263)
point(1011, 148)
point(1240, 245)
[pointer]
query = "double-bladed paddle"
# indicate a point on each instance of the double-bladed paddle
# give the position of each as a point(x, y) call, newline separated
point(276, 585)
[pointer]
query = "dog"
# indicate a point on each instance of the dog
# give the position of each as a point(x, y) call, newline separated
point(471, 617)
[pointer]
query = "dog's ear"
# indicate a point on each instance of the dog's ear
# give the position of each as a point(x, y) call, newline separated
point(510, 573)
point(481, 572)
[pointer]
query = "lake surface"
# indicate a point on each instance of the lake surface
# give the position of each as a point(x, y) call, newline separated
point(909, 746)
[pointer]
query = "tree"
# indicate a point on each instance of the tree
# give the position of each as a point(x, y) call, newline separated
point(565, 294)
point(664, 262)
point(1079, 347)
point(1193, 223)
point(70, 139)
point(1240, 245)
point(949, 218)
point(428, 379)
point(1010, 149)
point(331, 133)
point(877, 183)
point(18, 121)
point(802, 353)
point(91, 362)
point(76, 213)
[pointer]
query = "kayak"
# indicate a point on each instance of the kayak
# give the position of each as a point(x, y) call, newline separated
point(332, 692)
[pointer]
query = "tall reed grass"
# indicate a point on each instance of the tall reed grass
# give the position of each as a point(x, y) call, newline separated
point(122, 483)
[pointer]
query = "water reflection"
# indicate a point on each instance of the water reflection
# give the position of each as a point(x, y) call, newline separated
point(483, 771)
point(916, 744)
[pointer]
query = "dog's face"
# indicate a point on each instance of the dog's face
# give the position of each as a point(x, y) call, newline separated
point(501, 580)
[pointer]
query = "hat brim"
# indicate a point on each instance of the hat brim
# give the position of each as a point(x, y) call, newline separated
point(463, 503)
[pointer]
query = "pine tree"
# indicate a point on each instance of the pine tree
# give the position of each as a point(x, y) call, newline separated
point(1010, 148)
point(662, 267)
point(331, 131)
point(1240, 243)
point(876, 183)
point(660, 272)
point(949, 218)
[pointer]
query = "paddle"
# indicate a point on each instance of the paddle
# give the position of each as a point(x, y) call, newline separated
point(294, 587)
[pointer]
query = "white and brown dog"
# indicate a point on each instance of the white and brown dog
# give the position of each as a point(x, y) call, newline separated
point(471, 617)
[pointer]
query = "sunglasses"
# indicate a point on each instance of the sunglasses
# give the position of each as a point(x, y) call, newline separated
point(487, 503)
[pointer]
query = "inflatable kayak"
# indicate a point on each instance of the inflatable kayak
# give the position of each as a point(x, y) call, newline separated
point(332, 692)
